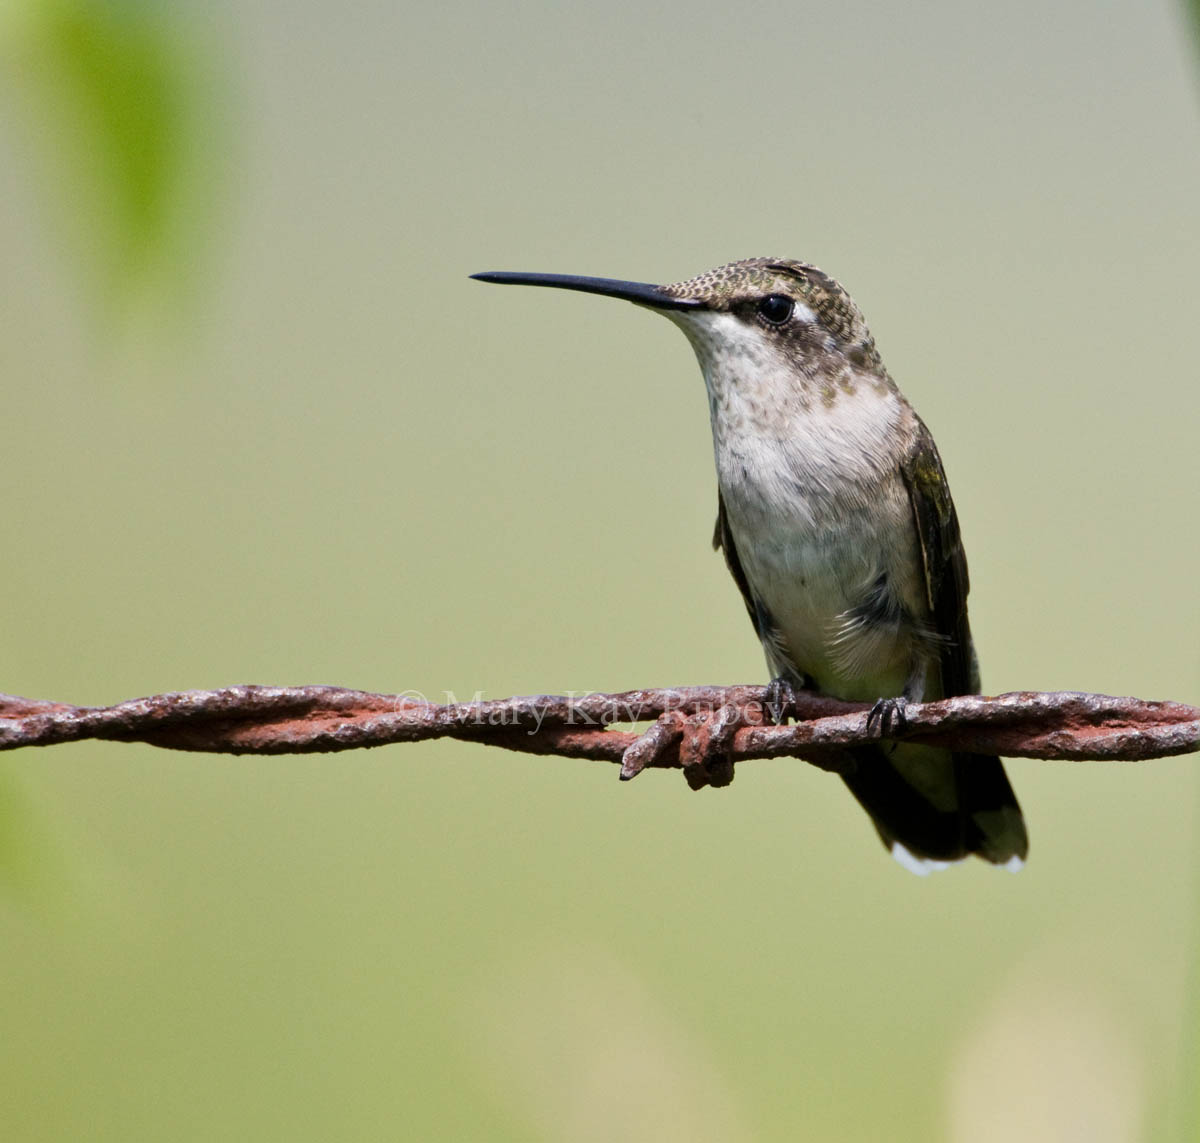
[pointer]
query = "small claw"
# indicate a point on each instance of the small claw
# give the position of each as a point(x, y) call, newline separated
point(888, 715)
point(781, 700)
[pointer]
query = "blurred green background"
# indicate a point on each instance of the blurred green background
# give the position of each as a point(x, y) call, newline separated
point(261, 428)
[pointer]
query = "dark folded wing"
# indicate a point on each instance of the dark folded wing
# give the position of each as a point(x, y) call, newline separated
point(945, 564)
point(723, 539)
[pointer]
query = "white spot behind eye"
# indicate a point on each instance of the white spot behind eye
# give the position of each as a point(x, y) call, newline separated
point(801, 312)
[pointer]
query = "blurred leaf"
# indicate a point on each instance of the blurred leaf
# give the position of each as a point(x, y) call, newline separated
point(115, 102)
point(118, 71)
point(31, 866)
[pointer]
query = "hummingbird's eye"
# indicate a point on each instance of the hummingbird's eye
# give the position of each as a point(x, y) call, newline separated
point(776, 308)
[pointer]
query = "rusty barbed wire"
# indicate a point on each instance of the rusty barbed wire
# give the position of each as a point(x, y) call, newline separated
point(702, 730)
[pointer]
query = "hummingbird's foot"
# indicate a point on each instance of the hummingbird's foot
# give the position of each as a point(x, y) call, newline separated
point(781, 699)
point(888, 715)
point(704, 751)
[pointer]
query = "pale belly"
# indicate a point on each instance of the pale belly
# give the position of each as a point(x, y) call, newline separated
point(814, 584)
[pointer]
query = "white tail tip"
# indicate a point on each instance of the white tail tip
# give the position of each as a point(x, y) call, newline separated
point(921, 866)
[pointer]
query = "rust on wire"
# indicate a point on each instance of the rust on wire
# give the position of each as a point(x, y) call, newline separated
point(704, 730)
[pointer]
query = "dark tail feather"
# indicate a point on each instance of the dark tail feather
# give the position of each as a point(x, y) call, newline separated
point(997, 826)
point(939, 807)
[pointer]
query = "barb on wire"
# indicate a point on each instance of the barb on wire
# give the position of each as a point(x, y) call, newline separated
point(701, 729)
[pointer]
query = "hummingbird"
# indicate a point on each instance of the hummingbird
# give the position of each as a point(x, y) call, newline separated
point(836, 523)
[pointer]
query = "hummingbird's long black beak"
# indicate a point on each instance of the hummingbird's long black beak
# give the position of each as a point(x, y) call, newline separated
point(641, 292)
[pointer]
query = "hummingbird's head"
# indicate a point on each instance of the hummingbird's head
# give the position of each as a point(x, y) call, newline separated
point(754, 318)
point(779, 307)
